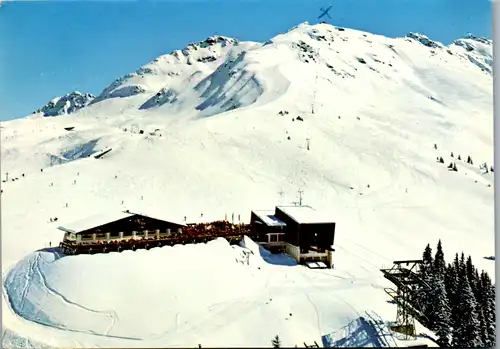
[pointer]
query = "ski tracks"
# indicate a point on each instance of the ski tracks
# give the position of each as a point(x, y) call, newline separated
point(111, 314)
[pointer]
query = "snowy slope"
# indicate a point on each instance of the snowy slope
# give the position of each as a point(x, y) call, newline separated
point(214, 142)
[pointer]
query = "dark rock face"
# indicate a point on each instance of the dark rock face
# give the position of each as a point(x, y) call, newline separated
point(66, 104)
point(164, 96)
point(424, 40)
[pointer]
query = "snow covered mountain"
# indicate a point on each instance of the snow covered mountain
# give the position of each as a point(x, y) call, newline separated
point(66, 104)
point(355, 120)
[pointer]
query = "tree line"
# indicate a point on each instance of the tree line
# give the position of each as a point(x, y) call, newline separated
point(459, 303)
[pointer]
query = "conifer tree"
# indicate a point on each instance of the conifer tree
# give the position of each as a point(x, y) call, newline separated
point(466, 331)
point(451, 285)
point(276, 342)
point(427, 259)
point(439, 262)
point(462, 271)
point(483, 328)
point(425, 297)
point(487, 304)
point(440, 312)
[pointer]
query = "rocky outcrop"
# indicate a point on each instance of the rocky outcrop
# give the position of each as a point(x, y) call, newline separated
point(66, 104)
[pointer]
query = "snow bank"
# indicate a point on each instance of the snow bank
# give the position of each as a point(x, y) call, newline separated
point(106, 294)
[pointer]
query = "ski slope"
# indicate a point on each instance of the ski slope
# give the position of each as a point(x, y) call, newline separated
point(213, 143)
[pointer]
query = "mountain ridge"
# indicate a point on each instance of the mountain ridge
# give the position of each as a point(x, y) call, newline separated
point(214, 49)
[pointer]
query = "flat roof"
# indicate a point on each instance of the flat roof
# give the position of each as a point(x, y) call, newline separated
point(94, 221)
point(305, 214)
point(269, 219)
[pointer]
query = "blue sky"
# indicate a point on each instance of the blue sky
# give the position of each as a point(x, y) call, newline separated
point(51, 48)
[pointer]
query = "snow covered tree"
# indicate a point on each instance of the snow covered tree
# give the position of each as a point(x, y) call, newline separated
point(427, 260)
point(441, 160)
point(455, 167)
point(487, 304)
point(471, 276)
point(426, 272)
point(462, 269)
point(451, 154)
point(451, 285)
point(276, 342)
point(459, 157)
point(439, 266)
point(483, 328)
point(440, 312)
point(466, 327)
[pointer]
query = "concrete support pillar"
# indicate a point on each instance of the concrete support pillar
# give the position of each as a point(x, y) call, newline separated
point(179, 230)
point(168, 231)
point(134, 234)
point(157, 233)
point(330, 259)
point(94, 238)
point(108, 236)
point(78, 238)
point(120, 234)
point(146, 234)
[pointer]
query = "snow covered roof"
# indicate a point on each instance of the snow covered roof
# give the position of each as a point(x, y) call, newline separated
point(155, 215)
point(104, 218)
point(94, 221)
point(305, 214)
point(269, 219)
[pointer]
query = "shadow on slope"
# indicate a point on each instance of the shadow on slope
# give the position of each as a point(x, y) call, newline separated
point(358, 333)
point(79, 151)
point(230, 87)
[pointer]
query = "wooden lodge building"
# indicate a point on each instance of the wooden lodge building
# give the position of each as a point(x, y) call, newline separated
point(300, 231)
point(118, 226)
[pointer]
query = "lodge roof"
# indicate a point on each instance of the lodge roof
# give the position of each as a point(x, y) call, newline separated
point(269, 219)
point(94, 221)
point(100, 219)
point(305, 214)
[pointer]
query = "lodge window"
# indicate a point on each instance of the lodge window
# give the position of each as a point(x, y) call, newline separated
point(281, 237)
point(274, 238)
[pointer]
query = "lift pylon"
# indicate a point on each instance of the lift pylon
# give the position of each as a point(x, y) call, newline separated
point(405, 276)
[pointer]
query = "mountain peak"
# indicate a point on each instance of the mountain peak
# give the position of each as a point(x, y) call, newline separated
point(66, 104)
point(424, 40)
